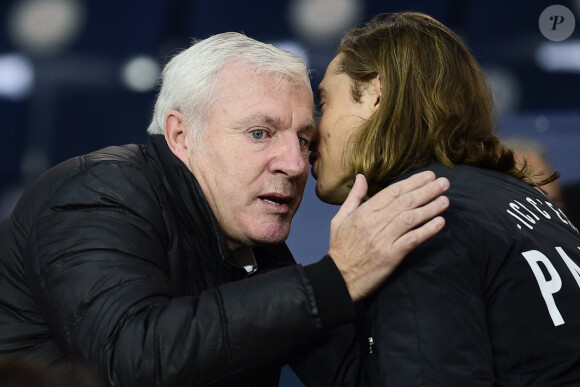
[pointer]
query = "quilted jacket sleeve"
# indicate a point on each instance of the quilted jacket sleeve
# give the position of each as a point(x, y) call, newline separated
point(96, 266)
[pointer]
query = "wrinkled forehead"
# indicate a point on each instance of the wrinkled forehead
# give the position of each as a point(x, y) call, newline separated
point(244, 84)
point(250, 75)
point(249, 69)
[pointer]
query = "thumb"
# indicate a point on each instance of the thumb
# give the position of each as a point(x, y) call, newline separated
point(354, 198)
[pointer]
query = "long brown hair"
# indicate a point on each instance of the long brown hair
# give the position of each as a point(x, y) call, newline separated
point(435, 101)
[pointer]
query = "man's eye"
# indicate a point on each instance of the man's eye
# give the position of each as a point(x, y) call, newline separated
point(258, 134)
point(304, 142)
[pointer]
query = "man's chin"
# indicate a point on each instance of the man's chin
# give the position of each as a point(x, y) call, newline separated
point(326, 196)
point(270, 237)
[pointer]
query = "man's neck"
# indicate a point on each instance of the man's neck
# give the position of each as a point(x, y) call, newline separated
point(245, 256)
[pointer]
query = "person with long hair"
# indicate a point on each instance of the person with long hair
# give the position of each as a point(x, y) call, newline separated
point(493, 298)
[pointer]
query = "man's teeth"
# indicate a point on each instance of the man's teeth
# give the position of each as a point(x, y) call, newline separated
point(271, 202)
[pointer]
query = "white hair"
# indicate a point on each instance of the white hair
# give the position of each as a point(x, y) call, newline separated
point(190, 81)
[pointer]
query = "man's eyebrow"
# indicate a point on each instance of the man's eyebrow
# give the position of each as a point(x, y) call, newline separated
point(309, 127)
point(274, 122)
point(261, 119)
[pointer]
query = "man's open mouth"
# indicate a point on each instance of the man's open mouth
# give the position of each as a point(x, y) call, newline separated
point(275, 200)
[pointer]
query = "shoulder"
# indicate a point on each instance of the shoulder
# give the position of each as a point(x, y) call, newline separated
point(482, 197)
point(113, 175)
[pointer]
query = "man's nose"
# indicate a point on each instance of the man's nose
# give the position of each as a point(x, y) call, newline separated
point(290, 157)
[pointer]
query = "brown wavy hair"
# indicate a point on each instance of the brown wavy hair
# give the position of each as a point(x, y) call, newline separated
point(435, 101)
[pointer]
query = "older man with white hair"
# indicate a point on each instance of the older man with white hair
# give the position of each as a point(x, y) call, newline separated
point(165, 264)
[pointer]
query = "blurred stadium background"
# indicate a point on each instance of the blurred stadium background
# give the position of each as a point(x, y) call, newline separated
point(78, 75)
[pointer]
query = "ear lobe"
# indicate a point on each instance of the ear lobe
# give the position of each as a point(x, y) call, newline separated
point(175, 130)
point(377, 102)
point(376, 90)
point(371, 96)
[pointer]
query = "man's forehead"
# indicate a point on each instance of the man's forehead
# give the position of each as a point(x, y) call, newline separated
point(247, 74)
point(331, 72)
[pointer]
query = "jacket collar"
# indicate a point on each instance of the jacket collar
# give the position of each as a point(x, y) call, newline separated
point(195, 213)
point(188, 201)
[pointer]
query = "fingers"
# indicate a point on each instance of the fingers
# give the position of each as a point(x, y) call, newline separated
point(423, 194)
point(411, 228)
point(353, 200)
point(374, 252)
point(409, 184)
point(409, 241)
point(409, 193)
point(402, 228)
point(405, 227)
point(369, 240)
point(386, 209)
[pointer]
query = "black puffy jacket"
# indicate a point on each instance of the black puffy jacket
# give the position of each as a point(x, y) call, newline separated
point(115, 258)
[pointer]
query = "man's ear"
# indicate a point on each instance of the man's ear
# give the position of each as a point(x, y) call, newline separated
point(175, 130)
point(375, 89)
point(371, 95)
